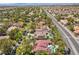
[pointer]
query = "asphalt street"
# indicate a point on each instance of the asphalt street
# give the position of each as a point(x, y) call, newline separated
point(67, 38)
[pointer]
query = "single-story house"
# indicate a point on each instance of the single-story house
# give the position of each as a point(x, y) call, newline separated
point(64, 22)
point(11, 28)
point(76, 29)
point(41, 45)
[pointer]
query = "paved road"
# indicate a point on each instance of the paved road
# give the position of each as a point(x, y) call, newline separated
point(69, 40)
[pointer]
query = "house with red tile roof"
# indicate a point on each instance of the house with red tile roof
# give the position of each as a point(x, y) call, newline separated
point(41, 45)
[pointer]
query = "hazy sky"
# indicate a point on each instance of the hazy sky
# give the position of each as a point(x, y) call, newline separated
point(39, 1)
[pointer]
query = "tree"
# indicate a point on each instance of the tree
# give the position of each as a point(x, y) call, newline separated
point(24, 48)
point(18, 35)
point(6, 46)
point(70, 20)
point(15, 34)
point(71, 27)
point(30, 26)
point(58, 17)
point(2, 31)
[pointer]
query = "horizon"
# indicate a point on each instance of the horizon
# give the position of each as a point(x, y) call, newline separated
point(26, 4)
